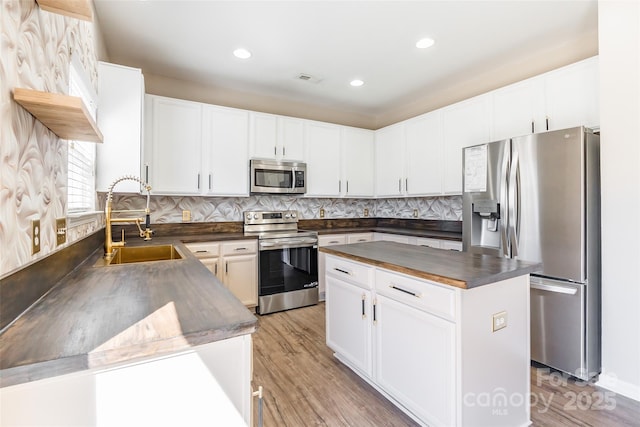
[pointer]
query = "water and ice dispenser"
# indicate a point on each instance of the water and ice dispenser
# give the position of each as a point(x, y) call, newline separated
point(485, 223)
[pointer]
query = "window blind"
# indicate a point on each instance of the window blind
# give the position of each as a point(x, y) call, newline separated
point(81, 183)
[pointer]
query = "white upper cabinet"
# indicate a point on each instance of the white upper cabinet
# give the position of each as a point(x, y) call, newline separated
point(424, 155)
point(559, 99)
point(572, 95)
point(226, 151)
point(120, 106)
point(322, 142)
point(518, 109)
point(174, 153)
point(276, 137)
point(464, 124)
point(357, 155)
point(389, 151)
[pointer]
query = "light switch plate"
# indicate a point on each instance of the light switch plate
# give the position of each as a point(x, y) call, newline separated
point(186, 216)
point(61, 231)
point(499, 321)
point(366, 212)
point(35, 236)
point(321, 213)
point(415, 213)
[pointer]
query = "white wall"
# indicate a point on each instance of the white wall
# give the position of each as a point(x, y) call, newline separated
point(619, 40)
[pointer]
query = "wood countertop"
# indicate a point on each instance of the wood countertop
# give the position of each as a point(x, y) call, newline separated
point(101, 316)
point(460, 269)
point(433, 234)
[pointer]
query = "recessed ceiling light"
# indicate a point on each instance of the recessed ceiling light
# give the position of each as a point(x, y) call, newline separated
point(356, 82)
point(424, 43)
point(242, 53)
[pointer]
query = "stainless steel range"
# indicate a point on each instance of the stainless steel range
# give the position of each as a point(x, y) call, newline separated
point(288, 260)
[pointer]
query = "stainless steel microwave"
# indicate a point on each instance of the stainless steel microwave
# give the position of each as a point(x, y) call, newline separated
point(275, 177)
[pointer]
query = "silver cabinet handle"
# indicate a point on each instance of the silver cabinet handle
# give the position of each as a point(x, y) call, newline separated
point(275, 150)
point(202, 251)
point(342, 271)
point(533, 127)
point(216, 269)
point(363, 300)
point(209, 181)
point(347, 186)
point(146, 173)
point(400, 185)
point(284, 151)
point(198, 181)
point(406, 185)
point(240, 249)
point(339, 186)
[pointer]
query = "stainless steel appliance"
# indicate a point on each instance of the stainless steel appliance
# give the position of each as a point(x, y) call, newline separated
point(276, 177)
point(288, 260)
point(537, 198)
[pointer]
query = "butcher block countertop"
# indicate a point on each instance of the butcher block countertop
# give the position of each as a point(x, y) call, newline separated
point(102, 316)
point(459, 269)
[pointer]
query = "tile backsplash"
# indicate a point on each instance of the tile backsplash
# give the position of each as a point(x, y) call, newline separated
point(168, 209)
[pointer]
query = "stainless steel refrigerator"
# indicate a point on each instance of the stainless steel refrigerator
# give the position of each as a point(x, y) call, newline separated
point(537, 198)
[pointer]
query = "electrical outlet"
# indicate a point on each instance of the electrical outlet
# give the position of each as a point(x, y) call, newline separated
point(186, 216)
point(499, 321)
point(321, 212)
point(35, 236)
point(61, 231)
point(366, 212)
point(415, 213)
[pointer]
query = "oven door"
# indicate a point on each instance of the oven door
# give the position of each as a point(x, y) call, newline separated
point(287, 269)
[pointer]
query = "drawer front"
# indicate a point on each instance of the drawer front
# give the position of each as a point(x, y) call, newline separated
point(349, 271)
point(428, 242)
point(239, 247)
point(452, 245)
point(421, 294)
point(332, 239)
point(359, 237)
point(204, 249)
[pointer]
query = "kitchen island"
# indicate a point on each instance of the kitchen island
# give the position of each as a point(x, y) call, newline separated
point(443, 334)
point(147, 343)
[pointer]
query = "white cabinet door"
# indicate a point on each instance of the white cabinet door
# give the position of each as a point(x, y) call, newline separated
point(464, 124)
point(263, 134)
point(322, 141)
point(416, 360)
point(213, 264)
point(291, 139)
point(424, 154)
point(326, 240)
point(175, 146)
point(572, 95)
point(241, 277)
point(358, 154)
point(518, 109)
point(348, 315)
point(389, 161)
point(226, 144)
point(120, 103)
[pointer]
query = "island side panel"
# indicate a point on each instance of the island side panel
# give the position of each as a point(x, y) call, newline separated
point(495, 375)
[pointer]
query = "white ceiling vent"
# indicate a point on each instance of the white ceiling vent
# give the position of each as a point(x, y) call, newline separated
point(308, 78)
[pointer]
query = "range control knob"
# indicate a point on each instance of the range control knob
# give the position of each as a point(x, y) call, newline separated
point(287, 216)
point(255, 216)
point(293, 215)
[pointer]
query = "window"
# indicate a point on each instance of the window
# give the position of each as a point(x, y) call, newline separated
point(81, 183)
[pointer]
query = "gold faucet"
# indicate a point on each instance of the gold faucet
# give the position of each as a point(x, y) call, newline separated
point(109, 244)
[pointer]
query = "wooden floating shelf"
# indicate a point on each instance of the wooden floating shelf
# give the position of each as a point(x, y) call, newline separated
point(79, 9)
point(64, 115)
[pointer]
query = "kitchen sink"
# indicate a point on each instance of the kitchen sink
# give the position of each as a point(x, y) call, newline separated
point(135, 254)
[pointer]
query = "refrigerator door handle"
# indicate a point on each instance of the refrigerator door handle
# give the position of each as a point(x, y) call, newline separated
point(551, 288)
point(504, 202)
point(514, 193)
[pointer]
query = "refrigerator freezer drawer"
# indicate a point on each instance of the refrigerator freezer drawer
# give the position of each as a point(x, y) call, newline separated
point(558, 325)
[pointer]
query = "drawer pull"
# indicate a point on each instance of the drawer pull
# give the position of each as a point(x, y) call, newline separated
point(375, 317)
point(342, 271)
point(405, 291)
point(363, 298)
point(202, 251)
point(362, 240)
point(240, 249)
point(334, 241)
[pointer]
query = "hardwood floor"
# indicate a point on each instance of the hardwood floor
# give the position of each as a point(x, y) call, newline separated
point(304, 385)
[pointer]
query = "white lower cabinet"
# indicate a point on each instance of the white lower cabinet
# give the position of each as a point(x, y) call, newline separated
point(206, 385)
point(431, 348)
point(428, 389)
point(348, 323)
point(234, 263)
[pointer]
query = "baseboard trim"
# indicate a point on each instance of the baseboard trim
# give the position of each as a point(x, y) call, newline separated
point(613, 383)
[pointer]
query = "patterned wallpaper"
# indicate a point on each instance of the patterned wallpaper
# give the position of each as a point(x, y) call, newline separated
point(35, 51)
point(167, 209)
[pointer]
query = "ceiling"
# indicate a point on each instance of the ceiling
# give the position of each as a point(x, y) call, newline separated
point(337, 41)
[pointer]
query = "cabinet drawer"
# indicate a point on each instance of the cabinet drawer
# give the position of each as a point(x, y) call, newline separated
point(359, 237)
point(428, 242)
point(421, 294)
point(332, 239)
point(204, 249)
point(350, 271)
point(451, 245)
point(238, 247)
